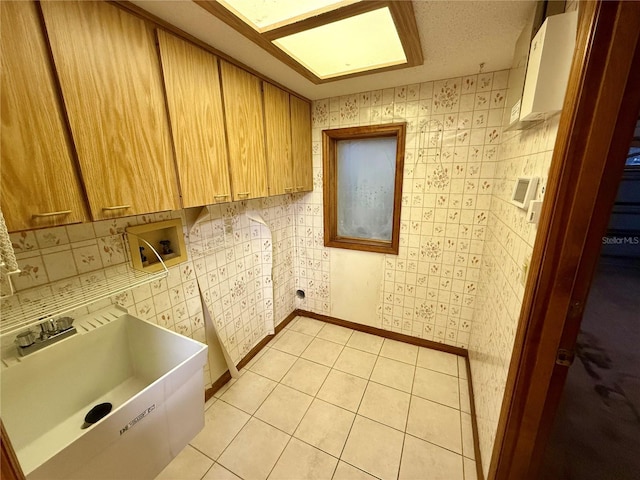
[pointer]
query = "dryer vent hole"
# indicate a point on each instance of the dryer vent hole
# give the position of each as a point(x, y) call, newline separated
point(300, 294)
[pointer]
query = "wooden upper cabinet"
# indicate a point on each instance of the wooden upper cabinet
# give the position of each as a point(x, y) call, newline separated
point(242, 95)
point(277, 125)
point(40, 186)
point(192, 85)
point(110, 76)
point(301, 144)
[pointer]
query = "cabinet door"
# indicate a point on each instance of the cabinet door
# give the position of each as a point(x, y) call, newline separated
point(301, 144)
point(109, 72)
point(192, 86)
point(242, 95)
point(277, 125)
point(40, 187)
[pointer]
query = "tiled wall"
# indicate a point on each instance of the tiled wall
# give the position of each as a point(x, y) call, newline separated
point(312, 258)
point(61, 258)
point(508, 244)
point(453, 132)
point(233, 249)
point(428, 290)
point(456, 278)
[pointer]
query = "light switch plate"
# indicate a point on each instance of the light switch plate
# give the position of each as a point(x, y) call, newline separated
point(535, 208)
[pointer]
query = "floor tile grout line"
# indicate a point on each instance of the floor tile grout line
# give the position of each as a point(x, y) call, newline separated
point(291, 435)
point(415, 363)
point(334, 341)
point(461, 428)
point(360, 469)
point(368, 379)
point(390, 386)
point(208, 469)
point(349, 373)
point(464, 469)
point(367, 351)
point(315, 396)
point(439, 446)
point(414, 394)
point(279, 456)
point(355, 414)
point(278, 381)
point(231, 441)
point(437, 371)
point(317, 448)
point(266, 423)
point(222, 466)
point(395, 359)
point(201, 452)
point(332, 368)
point(406, 420)
point(440, 403)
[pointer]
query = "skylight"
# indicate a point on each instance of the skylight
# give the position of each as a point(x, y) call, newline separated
point(355, 44)
point(264, 15)
point(327, 40)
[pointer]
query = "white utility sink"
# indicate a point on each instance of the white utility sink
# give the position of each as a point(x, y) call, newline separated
point(152, 376)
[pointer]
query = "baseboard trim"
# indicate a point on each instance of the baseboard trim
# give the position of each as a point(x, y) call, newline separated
point(474, 422)
point(226, 376)
point(401, 337)
point(217, 385)
point(286, 321)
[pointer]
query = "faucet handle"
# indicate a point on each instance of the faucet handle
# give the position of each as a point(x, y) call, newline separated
point(63, 323)
point(25, 339)
point(48, 328)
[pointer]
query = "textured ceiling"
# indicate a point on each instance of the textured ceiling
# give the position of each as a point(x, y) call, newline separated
point(456, 36)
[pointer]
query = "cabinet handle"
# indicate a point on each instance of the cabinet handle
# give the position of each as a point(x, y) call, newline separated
point(117, 207)
point(51, 214)
point(221, 196)
point(300, 187)
point(244, 194)
point(288, 189)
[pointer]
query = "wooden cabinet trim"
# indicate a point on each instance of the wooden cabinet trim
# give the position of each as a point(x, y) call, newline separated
point(40, 180)
point(277, 125)
point(166, 26)
point(135, 165)
point(193, 94)
point(301, 144)
point(245, 132)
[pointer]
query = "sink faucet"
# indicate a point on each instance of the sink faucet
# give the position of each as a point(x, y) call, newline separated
point(47, 329)
point(51, 331)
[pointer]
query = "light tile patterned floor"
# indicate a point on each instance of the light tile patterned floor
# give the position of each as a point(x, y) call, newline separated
point(325, 402)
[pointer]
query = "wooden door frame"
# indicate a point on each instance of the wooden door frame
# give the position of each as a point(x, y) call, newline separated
point(10, 468)
point(596, 126)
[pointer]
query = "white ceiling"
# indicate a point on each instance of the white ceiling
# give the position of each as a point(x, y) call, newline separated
point(456, 36)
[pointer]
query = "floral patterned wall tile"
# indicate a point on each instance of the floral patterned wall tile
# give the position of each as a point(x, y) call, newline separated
point(451, 148)
point(62, 259)
point(508, 242)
